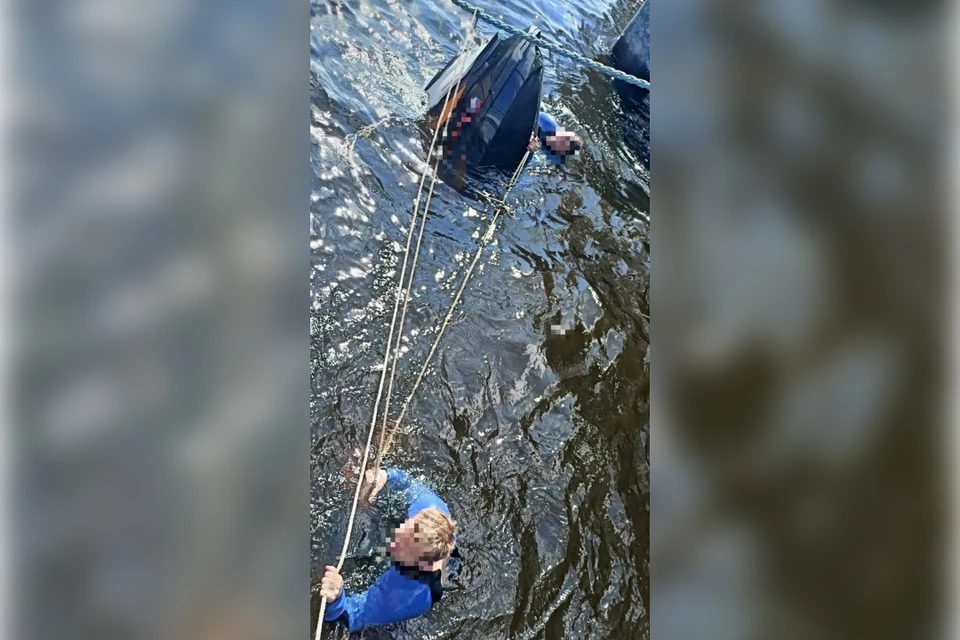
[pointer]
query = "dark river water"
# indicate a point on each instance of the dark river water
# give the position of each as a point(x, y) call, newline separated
point(533, 422)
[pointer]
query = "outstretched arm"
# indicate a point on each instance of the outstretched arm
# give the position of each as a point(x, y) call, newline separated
point(418, 494)
point(390, 599)
point(351, 611)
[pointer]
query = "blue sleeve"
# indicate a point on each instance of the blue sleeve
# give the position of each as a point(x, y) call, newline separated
point(419, 495)
point(337, 608)
point(546, 125)
point(398, 480)
point(392, 598)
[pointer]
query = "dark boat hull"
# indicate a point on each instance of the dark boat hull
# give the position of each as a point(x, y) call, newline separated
point(492, 116)
point(631, 54)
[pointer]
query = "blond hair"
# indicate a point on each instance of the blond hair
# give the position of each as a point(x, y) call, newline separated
point(433, 531)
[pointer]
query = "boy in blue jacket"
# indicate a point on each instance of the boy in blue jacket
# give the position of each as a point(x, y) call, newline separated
point(420, 549)
point(557, 144)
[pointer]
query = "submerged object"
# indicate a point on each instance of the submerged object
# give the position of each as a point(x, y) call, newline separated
point(631, 54)
point(493, 115)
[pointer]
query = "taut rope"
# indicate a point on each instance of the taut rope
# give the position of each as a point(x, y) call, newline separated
point(488, 234)
point(386, 358)
point(416, 253)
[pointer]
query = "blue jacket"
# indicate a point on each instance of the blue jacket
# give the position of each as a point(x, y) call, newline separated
point(547, 126)
point(403, 592)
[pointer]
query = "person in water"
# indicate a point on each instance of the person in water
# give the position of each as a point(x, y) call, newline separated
point(421, 549)
point(558, 145)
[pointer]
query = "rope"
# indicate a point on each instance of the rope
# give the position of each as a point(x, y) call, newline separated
point(350, 141)
point(383, 373)
point(423, 223)
point(557, 49)
point(488, 234)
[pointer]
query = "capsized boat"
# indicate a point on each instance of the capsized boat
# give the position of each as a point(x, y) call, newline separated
point(492, 116)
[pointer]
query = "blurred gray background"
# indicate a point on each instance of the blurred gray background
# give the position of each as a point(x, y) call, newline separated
point(160, 319)
point(798, 317)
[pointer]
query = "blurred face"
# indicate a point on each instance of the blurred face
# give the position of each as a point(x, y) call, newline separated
point(560, 142)
point(404, 547)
